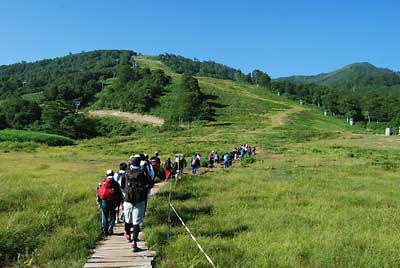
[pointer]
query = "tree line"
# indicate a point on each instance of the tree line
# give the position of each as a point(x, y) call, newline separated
point(181, 65)
point(369, 108)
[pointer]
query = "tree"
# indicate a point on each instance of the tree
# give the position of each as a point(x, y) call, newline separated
point(78, 126)
point(260, 78)
point(19, 113)
point(53, 113)
point(124, 73)
point(349, 106)
point(190, 104)
point(3, 122)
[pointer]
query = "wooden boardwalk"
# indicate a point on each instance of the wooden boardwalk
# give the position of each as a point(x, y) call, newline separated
point(115, 252)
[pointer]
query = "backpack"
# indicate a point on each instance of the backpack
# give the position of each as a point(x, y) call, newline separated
point(106, 190)
point(137, 186)
point(155, 164)
point(167, 164)
point(121, 179)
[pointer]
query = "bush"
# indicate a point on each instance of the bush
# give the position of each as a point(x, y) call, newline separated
point(110, 127)
point(247, 160)
point(205, 163)
point(24, 135)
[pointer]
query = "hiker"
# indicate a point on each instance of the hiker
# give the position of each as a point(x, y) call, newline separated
point(242, 152)
point(226, 160)
point(156, 163)
point(138, 186)
point(216, 158)
point(146, 165)
point(175, 166)
point(231, 157)
point(120, 178)
point(109, 196)
point(235, 153)
point(181, 165)
point(167, 167)
point(148, 170)
point(120, 175)
point(195, 163)
point(211, 158)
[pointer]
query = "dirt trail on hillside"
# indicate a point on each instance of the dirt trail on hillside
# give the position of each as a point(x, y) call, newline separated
point(281, 118)
point(134, 117)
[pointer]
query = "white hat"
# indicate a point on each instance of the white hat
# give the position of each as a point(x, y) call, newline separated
point(109, 172)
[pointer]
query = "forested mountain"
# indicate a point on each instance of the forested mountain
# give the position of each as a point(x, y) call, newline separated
point(45, 95)
point(356, 77)
point(48, 95)
point(76, 76)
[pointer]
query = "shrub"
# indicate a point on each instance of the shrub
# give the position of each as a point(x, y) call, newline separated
point(110, 127)
point(24, 135)
point(247, 160)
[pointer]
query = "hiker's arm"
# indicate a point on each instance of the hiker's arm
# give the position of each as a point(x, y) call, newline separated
point(98, 200)
point(120, 196)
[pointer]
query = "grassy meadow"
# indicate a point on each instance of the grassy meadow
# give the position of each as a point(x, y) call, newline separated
point(319, 193)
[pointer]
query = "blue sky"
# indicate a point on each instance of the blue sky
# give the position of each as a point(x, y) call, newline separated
point(279, 37)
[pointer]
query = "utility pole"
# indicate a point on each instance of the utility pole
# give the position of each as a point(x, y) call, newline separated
point(77, 104)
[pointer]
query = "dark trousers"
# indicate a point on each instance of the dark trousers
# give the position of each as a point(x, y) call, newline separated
point(107, 215)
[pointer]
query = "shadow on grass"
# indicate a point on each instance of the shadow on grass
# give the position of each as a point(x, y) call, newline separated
point(184, 195)
point(226, 232)
point(213, 105)
point(218, 124)
point(161, 214)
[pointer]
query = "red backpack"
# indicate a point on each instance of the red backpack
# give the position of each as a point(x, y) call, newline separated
point(105, 191)
point(155, 165)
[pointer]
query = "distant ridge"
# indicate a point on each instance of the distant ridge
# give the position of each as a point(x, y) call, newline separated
point(355, 75)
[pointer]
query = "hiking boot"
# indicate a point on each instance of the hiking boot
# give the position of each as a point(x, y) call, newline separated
point(127, 237)
point(135, 247)
point(110, 231)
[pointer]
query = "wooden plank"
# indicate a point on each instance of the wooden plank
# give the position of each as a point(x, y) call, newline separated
point(115, 252)
point(112, 249)
point(125, 261)
point(121, 259)
point(117, 265)
point(128, 253)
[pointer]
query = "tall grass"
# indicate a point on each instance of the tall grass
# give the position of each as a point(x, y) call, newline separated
point(304, 203)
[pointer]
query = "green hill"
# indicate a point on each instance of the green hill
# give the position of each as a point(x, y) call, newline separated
point(356, 76)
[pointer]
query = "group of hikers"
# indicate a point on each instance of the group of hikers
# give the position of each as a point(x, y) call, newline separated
point(228, 158)
point(129, 189)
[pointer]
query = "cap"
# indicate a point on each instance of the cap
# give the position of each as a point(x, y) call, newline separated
point(109, 172)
